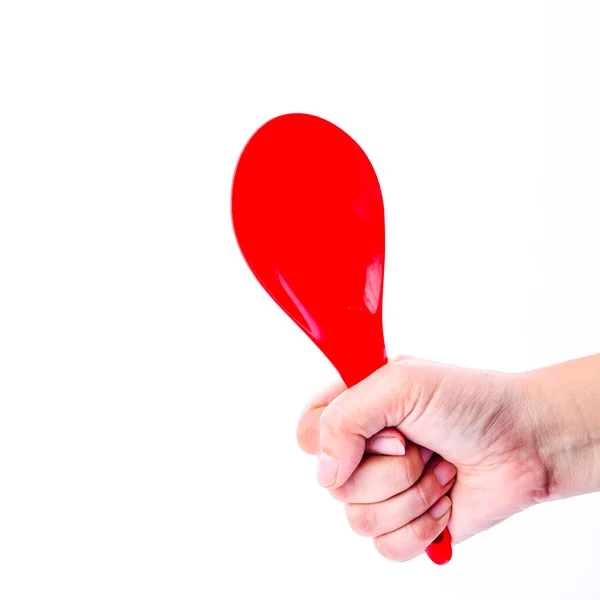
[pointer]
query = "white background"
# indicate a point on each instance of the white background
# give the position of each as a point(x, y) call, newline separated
point(149, 389)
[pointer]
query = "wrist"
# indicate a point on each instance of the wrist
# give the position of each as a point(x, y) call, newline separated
point(564, 409)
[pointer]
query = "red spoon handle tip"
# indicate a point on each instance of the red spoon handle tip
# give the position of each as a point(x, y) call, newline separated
point(440, 550)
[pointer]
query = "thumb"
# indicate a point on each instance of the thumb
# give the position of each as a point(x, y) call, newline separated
point(384, 399)
point(307, 432)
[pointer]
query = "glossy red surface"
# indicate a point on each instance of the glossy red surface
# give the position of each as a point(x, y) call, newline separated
point(440, 551)
point(308, 216)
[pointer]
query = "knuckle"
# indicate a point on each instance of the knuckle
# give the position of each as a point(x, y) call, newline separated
point(390, 550)
point(362, 519)
point(345, 492)
point(340, 494)
point(424, 531)
point(406, 471)
point(414, 469)
point(306, 438)
point(307, 431)
point(418, 532)
point(422, 499)
point(332, 418)
point(383, 546)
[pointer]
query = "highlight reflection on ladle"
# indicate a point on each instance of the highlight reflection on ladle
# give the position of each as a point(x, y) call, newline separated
point(310, 326)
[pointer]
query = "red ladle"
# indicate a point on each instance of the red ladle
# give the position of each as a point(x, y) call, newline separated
point(308, 216)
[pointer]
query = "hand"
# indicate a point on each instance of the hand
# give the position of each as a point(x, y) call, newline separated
point(483, 424)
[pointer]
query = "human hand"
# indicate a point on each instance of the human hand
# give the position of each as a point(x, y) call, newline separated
point(483, 424)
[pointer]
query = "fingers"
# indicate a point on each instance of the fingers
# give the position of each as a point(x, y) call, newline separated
point(307, 432)
point(383, 399)
point(412, 539)
point(399, 499)
point(380, 477)
point(377, 519)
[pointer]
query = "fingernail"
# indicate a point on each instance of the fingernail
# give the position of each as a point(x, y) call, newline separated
point(444, 472)
point(388, 445)
point(426, 454)
point(440, 508)
point(327, 470)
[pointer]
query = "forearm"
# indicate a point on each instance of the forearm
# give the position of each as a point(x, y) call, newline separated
point(565, 410)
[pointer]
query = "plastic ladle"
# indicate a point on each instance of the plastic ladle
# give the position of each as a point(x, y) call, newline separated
point(308, 216)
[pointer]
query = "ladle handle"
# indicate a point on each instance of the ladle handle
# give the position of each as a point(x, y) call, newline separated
point(440, 550)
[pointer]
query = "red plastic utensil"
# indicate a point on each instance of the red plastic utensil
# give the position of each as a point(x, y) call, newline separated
point(308, 216)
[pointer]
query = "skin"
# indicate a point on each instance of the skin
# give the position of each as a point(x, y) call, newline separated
point(508, 441)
